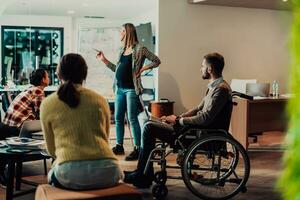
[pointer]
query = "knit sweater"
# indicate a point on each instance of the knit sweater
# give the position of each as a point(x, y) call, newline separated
point(80, 133)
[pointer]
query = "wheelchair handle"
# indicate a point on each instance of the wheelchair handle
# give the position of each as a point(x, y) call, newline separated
point(242, 95)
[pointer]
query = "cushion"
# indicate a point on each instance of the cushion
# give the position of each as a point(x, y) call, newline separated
point(119, 192)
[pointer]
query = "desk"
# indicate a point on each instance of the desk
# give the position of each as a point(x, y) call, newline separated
point(14, 159)
point(250, 117)
point(21, 88)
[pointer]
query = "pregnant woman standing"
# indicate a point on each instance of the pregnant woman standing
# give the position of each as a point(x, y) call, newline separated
point(127, 85)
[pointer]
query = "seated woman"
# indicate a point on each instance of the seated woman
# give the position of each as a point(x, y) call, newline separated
point(75, 123)
point(25, 106)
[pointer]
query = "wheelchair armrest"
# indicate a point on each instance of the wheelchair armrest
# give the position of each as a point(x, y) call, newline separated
point(194, 127)
point(182, 130)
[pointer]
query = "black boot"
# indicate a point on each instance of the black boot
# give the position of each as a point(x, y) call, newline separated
point(118, 149)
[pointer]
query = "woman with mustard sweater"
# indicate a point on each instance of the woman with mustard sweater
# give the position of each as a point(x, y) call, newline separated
point(75, 123)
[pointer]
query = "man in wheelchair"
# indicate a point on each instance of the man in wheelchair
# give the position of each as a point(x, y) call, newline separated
point(212, 112)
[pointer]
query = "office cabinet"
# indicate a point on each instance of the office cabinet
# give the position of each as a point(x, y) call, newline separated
point(25, 49)
point(253, 117)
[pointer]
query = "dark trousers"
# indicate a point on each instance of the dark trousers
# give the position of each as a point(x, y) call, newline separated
point(6, 131)
point(152, 131)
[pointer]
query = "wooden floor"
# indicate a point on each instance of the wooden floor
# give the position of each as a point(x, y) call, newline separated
point(265, 168)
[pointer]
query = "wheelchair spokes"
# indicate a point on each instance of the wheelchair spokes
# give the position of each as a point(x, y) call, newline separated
point(216, 168)
point(213, 167)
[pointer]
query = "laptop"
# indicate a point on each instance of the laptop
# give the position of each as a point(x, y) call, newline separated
point(258, 89)
point(239, 85)
point(31, 129)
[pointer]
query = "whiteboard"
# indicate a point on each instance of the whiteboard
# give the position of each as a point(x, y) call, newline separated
point(106, 39)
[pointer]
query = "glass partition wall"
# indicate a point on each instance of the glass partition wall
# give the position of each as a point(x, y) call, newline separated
point(25, 49)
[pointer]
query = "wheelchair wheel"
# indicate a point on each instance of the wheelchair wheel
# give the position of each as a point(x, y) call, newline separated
point(232, 154)
point(159, 191)
point(216, 167)
point(160, 177)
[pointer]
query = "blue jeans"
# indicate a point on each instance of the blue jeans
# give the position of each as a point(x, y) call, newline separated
point(86, 174)
point(127, 100)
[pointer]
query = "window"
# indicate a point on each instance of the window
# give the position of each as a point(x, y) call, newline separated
point(25, 49)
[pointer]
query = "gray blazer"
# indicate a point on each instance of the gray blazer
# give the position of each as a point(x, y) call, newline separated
point(211, 111)
point(139, 54)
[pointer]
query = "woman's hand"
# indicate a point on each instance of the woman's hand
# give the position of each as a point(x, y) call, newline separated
point(101, 57)
point(138, 74)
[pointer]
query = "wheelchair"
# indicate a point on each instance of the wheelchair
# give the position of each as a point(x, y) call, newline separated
point(213, 165)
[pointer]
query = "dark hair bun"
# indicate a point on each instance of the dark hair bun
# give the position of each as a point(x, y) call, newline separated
point(37, 76)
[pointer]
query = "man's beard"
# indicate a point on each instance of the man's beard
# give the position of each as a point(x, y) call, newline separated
point(205, 75)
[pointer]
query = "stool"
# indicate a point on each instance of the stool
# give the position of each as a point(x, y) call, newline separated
point(119, 192)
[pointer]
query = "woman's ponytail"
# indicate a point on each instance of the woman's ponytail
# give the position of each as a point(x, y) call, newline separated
point(72, 70)
point(68, 94)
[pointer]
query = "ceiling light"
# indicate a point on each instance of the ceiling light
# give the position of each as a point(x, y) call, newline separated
point(70, 12)
point(284, 0)
point(94, 17)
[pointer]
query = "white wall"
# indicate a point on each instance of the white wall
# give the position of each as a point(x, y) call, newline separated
point(253, 42)
point(149, 16)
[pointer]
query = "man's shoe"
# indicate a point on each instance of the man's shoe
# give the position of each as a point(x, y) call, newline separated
point(128, 172)
point(130, 177)
point(139, 181)
point(134, 155)
point(143, 181)
point(118, 149)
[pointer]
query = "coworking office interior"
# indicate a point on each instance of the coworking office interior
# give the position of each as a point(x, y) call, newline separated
point(253, 38)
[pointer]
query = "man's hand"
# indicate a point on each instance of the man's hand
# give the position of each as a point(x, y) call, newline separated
point(163, 118)
point(171, 119)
